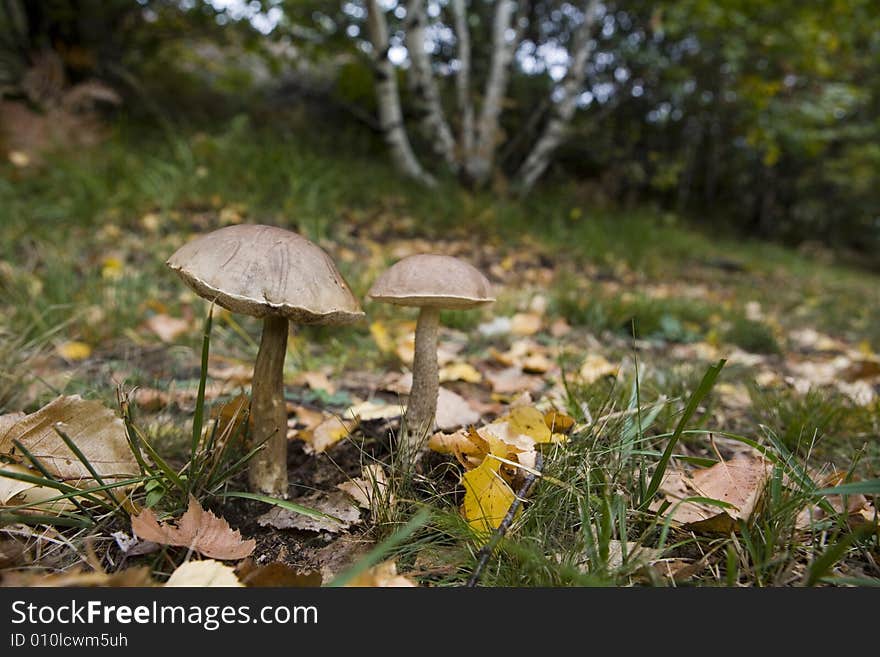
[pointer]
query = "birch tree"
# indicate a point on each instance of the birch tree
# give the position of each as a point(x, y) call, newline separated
point(469, 149)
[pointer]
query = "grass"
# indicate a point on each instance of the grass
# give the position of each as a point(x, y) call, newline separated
point(82, 247)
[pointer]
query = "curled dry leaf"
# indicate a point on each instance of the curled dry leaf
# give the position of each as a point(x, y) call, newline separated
point(596, 367)
point(208, 573)
point(95, 430)
point(197, 529)
point(14, 492)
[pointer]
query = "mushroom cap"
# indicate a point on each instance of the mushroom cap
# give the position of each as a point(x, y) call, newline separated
point(434, 281)
point(263, 270)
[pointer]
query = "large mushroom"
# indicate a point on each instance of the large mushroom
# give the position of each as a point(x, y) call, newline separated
point(281, 277)
point(431, 283)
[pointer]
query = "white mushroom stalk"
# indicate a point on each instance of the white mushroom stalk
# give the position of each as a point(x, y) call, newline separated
point(281, 277)
point(431, 283)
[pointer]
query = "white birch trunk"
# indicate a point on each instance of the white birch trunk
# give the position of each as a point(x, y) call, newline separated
point(479, 164)
point(463, 79)
point(424, 85)
point(388, 99)
point(563, 110)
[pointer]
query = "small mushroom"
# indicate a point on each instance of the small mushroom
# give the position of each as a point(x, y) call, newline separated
point(279, 276)
point(431, 283)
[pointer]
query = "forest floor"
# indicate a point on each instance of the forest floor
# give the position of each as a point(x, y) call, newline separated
point(609, 323)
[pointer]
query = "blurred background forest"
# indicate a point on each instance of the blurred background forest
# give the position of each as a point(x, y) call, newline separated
point(758, 118)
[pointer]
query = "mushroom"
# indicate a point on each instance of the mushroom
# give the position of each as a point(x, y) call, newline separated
point(279, 276)
point(431, 283)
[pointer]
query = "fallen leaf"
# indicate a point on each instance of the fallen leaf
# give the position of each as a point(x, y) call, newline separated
point(129, 578)
point(336, 504)
point(95, 430)
point(460, 372)
point(370, 411)
point(325, 435)
point(739, 482)
point(197, 529)
point(167, 328)
point(73, 350)
point(453, 411)
point(318, 381)
point(526, 324)
point(14, 492)
point(383, 575)
point(512, 381)
point(529, 421)
point(596, 367)
point(487, 497)
point(208, 573)
point(370, 489)
point(558, 422)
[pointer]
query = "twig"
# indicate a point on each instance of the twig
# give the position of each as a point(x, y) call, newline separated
point(486, 551)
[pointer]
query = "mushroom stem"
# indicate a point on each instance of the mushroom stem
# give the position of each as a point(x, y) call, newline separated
point(422, 405)
point(267, 471)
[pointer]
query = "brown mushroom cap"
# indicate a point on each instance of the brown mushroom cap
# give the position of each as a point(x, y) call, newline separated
point(433, 281)
point(264, 270)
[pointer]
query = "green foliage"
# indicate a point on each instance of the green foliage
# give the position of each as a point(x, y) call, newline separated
point(751, 335)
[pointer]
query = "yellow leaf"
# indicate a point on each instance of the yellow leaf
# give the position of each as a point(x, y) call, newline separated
point(595, 367)
point(74, 350)
point(381, 336)
point(19, 158)
point(529, 421)
point(487, 496)
point(525, 323)
point(325, 435)
point(558, 422)
point(460, 372)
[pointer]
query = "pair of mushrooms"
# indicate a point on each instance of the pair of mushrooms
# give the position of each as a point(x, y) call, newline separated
point(282, 277)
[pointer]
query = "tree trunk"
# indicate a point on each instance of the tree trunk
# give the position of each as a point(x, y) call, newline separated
point(463, 79)
point(479, 163)
point(388, 99)
point(424, 85)
point(563, 110)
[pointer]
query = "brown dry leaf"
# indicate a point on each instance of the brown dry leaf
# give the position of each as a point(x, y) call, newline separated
point(8, 420)
point(739, 481)
point(95, 430)
point(383, 575)
point(231, 415)
point(208, 573)
point(197, 529)
point(275, 574)
point(336, 504)
point(167, 328)
point(131, 577)
point(370, 489)
point(237, 374)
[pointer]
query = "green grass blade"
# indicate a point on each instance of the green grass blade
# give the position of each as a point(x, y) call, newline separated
point(39, 466)
point(284, 504)
point(7, 518)
point(699, 394)
point(73, 447)
point(867, 487)
point(199, 414)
